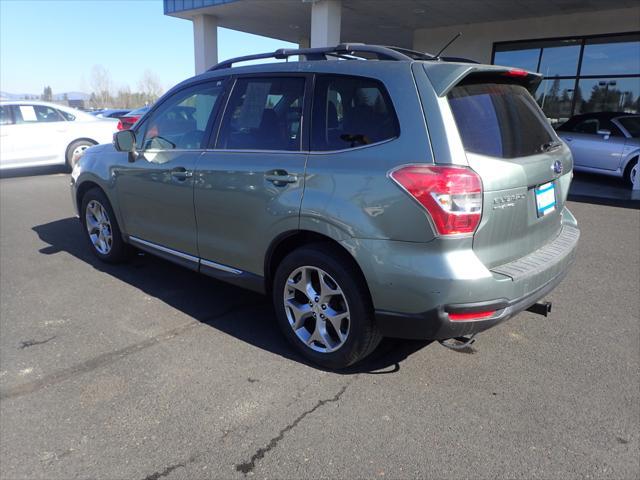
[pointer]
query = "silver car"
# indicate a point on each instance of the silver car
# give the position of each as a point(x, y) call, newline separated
point(604, 142)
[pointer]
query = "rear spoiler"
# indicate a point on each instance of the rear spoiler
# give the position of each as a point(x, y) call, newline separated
point(445, 76)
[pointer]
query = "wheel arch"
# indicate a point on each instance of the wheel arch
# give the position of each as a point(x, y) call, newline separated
point(84, 187)
point(87, 139)
point(286, 242)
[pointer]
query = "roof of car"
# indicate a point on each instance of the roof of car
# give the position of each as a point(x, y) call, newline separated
point(601, 115)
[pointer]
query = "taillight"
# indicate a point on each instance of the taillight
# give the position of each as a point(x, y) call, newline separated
point(451, 195)
point(469, 316)
point(125, 123)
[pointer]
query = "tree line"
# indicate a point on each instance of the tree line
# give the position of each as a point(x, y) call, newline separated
point(105, 94)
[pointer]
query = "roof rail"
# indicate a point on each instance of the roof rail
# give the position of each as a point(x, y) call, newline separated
point(347, 51)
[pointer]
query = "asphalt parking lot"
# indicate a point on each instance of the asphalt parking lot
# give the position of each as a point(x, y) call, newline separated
point(148, 371)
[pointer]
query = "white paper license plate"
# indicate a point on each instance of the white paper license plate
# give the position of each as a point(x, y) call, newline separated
point(545, 199)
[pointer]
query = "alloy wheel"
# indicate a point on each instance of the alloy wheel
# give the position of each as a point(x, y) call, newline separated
point(99, 227)
point(317, 309)
point(77, 153)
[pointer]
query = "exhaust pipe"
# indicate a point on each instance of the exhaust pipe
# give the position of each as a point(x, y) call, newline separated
point(540, 308)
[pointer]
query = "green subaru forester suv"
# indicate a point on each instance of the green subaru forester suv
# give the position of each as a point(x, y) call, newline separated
point(384, 193)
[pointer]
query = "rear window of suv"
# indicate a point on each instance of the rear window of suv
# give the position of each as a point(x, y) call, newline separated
point(499, 120)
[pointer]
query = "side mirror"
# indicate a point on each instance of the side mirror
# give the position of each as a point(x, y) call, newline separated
point(124, 141)
point(605, 133)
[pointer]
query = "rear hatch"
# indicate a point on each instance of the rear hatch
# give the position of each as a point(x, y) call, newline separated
point(524, 167)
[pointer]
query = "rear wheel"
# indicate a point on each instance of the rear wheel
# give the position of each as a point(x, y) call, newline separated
point(101, 228)
point(75, 151)
point(324, 308)
point(631, 172)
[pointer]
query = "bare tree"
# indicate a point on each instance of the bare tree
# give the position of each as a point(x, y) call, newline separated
point(149, 85)
point(101, 86)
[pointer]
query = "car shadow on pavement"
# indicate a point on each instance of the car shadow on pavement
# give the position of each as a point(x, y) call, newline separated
point(33, 171)
point(225, 307)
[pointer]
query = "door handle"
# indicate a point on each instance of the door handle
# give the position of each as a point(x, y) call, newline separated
point(181, 173)
point(280, 178)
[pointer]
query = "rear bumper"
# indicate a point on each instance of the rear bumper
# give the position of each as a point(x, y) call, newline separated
point(435, 324)
point(510, 289)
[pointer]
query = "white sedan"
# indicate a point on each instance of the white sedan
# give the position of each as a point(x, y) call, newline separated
point(40, 133)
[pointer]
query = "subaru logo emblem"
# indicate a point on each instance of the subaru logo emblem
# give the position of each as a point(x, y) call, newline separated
point(557, 167)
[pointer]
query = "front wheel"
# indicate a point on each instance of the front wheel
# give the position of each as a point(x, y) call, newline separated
point(101, 228)
point(75, 151)
point(323, 307)
point(631, 172)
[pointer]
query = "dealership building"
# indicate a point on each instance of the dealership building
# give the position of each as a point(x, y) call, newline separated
point(587, 50)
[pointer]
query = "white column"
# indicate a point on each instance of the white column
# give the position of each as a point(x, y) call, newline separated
point(325, 23)
point(303, 42)
point(205, 42)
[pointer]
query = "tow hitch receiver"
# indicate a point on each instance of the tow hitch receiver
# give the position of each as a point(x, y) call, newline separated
point(540, 308)
point(458, 343)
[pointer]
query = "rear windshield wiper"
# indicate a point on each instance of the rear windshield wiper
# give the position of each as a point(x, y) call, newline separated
point(548, 146)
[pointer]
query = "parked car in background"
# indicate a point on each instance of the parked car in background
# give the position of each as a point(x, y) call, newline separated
point(604, 142)
point(111, 113)
point(127, 121)
point(418, 198)
point(40, 133)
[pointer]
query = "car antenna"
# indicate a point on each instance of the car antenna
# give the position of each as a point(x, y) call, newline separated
point(459, 34)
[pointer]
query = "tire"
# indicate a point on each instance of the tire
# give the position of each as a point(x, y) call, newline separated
point(100, 228)
point(631, 171)
point(73, 149)
point(325, 346)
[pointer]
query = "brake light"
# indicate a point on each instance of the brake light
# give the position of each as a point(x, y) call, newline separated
point(451, 195)
point(462, 317)
point(516, 72)
point(125, 123)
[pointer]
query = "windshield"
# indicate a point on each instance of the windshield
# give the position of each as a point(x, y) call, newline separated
point(631, 125)
point(500, 120)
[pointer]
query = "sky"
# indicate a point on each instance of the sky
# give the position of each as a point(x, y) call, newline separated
point(57, 42)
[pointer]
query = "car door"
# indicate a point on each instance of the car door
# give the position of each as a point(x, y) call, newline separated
point(594, 150)
point(248, 189)
point(6, 136)
point(38, 135)
point(155, 191)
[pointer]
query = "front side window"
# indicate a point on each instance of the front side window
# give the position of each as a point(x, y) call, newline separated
point(590, 126)
point(5, 115)
point(351, 111)
point(263, 114)
point(182, 120)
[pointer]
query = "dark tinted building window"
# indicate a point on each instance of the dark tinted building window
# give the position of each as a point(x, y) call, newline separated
point(349, 112)
point(582, 74)
point(263, 114)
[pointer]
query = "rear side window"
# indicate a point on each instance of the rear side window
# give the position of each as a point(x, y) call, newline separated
point(499, 120)
point(351, 111)
point(263, 114)
point(67, 116)
point(36, 113)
